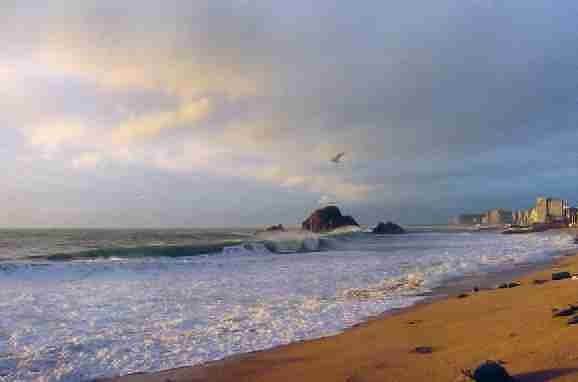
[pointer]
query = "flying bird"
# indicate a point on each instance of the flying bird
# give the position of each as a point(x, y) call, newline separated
point(337, 158)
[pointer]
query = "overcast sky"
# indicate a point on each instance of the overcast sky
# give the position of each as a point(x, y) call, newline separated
point(226, 113)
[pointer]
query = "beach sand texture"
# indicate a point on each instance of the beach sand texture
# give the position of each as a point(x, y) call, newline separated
point(511, 325)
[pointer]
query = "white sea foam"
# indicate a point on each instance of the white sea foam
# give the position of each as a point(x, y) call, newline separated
point(249, 249)
point(70, 321)
point(290, 241)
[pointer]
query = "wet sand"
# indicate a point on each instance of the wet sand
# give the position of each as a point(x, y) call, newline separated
point(511, 325)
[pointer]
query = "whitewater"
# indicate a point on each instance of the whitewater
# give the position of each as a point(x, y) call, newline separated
point(76, 305)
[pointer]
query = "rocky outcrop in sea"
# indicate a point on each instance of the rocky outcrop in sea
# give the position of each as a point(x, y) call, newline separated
point(387, 228)
point(327, 219)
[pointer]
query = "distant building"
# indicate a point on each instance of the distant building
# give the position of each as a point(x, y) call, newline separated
point(557, 210)
point(541, 211)
point(499, 216)
point(552, 212)
point(572, 216)
point(549, 211)
point(535, 217)
point(527, 216)
point(522, 217)
point(517, 216)
point(468, 219)
point(485, 219)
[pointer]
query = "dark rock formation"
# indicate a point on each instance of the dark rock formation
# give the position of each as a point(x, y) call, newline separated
point(273, 228)
point(327, 219)
point(489, 371)
point(387, 228)
point(561, 275)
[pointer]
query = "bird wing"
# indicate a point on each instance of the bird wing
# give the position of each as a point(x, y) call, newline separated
point(338, 157)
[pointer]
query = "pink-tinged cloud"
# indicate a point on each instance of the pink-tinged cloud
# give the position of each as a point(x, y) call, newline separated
point(150, 125)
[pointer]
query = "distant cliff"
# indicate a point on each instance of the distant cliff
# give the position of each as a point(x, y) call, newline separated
point(327, 219)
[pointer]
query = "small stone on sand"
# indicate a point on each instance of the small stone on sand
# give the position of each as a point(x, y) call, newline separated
point(423, 350)
point(564, 312)
point(511, 284)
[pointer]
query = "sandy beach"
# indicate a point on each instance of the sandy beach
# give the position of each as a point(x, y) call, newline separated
point(514, 326)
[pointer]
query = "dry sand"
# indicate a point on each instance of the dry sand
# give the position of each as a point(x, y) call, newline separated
point(512, 325)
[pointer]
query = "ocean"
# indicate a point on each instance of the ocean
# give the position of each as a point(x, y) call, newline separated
point(80, 304)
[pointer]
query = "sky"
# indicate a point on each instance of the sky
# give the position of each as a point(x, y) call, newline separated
point(226, 113)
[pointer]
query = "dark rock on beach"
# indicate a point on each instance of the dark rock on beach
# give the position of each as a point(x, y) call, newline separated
point(489, 371)
point(561, 275)
point(512, 284)
point(564, 312)
point(327, 219)
point(388, 228)
point(423, 350)
point(573, 321)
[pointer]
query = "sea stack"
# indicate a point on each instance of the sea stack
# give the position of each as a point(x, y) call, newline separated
point(327, 219)
point(387, 228)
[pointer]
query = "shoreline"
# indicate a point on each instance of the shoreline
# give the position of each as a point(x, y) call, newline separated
point(289, 360)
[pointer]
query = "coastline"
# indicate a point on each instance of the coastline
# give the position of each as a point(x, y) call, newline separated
point(502, 324)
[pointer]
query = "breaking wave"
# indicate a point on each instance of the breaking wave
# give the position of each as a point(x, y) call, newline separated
point(269, 242)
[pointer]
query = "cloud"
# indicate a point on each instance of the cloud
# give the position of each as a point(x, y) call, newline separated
point(254, 134)
point(336, 186)
point(129, 69)
point(191, 155)
point(151, 125)
point(53, 135)
point(326, 199)
point(428, 101)
point(87, 160)
point(178, 49)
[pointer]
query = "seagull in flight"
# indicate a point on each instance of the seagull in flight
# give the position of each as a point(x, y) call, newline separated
point(337, 158)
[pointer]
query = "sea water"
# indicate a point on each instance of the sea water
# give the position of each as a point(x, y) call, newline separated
point(75, 305)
